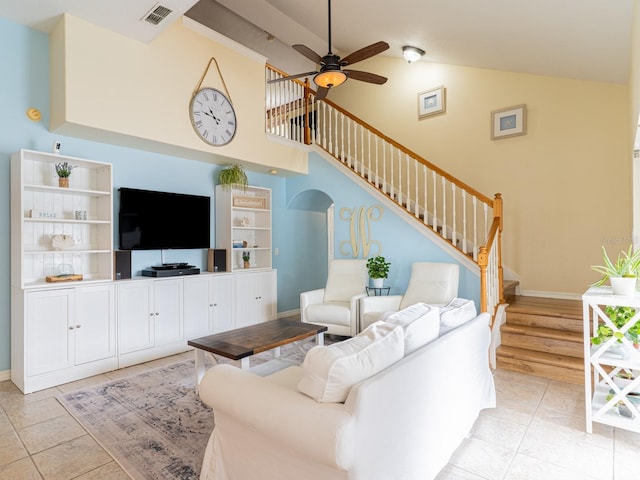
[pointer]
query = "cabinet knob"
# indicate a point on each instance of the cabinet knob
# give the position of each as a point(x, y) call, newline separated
point(211, 304)
point(215, 304)
point(71, 327)
point(157, 313)
point(78, 326)
point(151, 314)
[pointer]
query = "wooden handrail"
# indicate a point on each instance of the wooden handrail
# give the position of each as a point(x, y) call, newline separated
point(392, 142)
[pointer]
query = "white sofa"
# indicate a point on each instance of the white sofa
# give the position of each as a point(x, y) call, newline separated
point(402, 423)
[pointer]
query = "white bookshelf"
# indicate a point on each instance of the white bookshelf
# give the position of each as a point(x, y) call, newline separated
point(40, 210)
point(243, 224)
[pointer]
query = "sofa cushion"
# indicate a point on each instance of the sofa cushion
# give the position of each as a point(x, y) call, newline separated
point(455, 313)
point(337, 313)
point(330, 371)
point(421, 325)
point(346, 279)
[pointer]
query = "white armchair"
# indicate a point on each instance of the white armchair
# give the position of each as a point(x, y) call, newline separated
point(431, 283)
point(336, 306)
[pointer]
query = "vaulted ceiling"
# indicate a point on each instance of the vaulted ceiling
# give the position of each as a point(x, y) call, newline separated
point(587, 39)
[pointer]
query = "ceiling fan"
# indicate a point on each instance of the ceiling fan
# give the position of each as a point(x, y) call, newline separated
point(331, 72)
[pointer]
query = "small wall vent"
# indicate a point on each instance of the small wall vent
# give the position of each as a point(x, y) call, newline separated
point(157, 14)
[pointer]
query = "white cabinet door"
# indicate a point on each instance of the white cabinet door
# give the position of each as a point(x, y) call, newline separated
point(255, 297)
point(245, 296)
point(167, 300)
point(197, 307)
point(221, 295)
point(135, 316)
point(267, 295)
point(49, 341)
point(95, 323)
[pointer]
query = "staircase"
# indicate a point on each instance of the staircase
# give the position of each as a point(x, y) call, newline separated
point(465, 222)
point(543, 337)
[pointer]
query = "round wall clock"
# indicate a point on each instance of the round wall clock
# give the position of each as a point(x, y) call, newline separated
point(212, 116)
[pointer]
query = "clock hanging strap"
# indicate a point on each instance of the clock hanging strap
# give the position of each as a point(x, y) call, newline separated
point(213, 59)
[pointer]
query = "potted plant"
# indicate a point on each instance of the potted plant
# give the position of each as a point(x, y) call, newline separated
point(233, 175)
point(622, 274)
point(63, 170)
point(378, 269)
point(246, 257)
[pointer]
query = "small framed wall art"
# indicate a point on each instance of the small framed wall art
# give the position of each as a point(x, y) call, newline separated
point(509, 122)
point(431, 102)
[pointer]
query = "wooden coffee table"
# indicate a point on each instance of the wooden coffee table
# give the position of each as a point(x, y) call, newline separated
point(242, 343)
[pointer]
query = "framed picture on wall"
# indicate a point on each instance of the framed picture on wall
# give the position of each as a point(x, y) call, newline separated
point(431, 102)
point(509, 122)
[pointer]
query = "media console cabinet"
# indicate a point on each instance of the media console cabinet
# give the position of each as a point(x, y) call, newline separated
point(68, 330)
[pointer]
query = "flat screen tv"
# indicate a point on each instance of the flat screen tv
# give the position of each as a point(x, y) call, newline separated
point(150, 220)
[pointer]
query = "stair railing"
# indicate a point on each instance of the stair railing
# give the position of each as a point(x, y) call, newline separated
point(465, 218)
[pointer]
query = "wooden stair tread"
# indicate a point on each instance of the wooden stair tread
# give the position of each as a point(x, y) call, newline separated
point(550, 307)
point(572, 363)
point(555, 334)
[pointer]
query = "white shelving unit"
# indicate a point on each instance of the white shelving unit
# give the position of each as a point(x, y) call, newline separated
point(602, 395)
point(40, 209)
point(243, 224)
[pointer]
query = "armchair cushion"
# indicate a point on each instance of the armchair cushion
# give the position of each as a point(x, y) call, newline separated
point(421, 325)
point(330, 371)
point(338, 313)
point(432, 283)
point(346, 279)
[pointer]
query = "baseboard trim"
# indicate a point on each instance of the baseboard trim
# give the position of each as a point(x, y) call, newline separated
point(289, 313)
point(5, 375)
point(558, 295)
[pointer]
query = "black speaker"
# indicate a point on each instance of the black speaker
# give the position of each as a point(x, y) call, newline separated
point(217, 260)
point(122, 264)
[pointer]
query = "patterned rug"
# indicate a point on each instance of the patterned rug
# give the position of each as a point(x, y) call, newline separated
point(153, 424)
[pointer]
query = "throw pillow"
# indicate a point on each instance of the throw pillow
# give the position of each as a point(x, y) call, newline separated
point(330, 371)
point(421, 325)
point(455, 313)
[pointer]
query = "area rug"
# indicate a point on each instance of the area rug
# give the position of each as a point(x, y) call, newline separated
point(153, 424)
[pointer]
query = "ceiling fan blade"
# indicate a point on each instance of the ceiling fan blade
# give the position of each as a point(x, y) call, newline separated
point(291, 77)
point(307, 52)
point(366, 76)
point(322, 93)
point(364, 53)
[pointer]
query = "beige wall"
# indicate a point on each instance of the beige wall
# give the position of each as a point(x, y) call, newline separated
point(566, 184)
point(634, 120)
point(111, 88)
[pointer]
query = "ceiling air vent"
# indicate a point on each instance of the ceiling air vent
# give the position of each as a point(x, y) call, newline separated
point(157, 14)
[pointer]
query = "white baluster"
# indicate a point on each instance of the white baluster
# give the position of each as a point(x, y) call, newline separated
point(435, 202)
point(444, 208)
point(384, 167)
point(417, 201)
point(464, 222)
point(453, 215)
point(475, 227)
point(425, 209)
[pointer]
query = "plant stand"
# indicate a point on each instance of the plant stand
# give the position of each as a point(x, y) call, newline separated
point(606, 402)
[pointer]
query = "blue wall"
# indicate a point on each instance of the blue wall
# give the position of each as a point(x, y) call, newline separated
point(299, 202)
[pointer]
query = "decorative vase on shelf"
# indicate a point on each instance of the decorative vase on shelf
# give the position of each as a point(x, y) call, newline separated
point(247, 264)
point(63, 182)
point(625, 286)
point(377, 282)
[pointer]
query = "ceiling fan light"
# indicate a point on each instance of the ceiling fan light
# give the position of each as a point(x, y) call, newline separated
point(330, 79)
point(411, 54)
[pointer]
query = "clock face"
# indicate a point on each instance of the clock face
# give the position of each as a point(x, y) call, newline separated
point(213, 117)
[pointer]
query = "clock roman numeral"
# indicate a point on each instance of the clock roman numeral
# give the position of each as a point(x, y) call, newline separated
point(198, 123)
point(228, 132)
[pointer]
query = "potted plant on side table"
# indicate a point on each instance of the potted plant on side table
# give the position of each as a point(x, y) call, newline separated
point(622, 274)
point(378, 269)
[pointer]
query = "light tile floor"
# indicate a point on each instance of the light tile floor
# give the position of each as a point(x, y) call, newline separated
point(536, 432)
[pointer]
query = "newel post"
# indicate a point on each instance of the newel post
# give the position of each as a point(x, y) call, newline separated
point(483, 261)
point(307, 116)
point(498, 212)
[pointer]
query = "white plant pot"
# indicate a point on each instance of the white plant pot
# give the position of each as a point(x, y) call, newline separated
point(623, 285)
point(377, 282)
